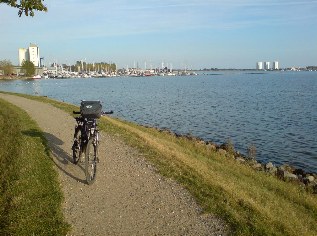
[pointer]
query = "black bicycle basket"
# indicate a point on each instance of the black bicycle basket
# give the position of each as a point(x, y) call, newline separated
point(90, 109)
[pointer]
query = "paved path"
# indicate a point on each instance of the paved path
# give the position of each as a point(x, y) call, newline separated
point(128, 198)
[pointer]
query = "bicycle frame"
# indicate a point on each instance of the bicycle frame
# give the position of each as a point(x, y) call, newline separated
point(88, 128)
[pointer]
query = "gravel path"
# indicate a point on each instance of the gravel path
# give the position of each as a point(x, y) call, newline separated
point(128, 197)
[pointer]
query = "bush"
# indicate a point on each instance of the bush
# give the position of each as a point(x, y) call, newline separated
point(7, 67)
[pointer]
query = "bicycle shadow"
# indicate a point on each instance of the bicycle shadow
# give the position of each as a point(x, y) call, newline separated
point(53, 149)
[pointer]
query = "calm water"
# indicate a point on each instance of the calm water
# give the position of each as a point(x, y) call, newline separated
point(275, 111)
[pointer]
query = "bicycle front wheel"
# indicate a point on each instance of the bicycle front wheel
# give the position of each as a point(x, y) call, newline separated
point(91, 161)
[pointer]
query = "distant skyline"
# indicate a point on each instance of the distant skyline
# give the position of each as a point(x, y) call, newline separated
point(195, 34)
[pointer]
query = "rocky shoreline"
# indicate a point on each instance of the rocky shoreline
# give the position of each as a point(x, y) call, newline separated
point(285, 172)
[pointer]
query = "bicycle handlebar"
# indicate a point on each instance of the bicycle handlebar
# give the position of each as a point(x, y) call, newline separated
point(103, 113)
point(107, 112)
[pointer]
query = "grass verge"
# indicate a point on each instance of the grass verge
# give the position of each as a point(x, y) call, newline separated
point(253, 203)
point(30, 196)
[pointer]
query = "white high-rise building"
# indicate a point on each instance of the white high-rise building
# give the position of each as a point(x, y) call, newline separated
point(32, 53)
point(275, 65)
point(23, 55)
point(267, 65)
point(259, 65)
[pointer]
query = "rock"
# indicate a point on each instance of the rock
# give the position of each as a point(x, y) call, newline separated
point(287, 168)
point(269, 165)
point(252, 162)
point(299, 172)
point(272, 170)
point(289, 176)
point(228, 146)
point(241, 160)
point(257, 166)
point(310, 178)
point(285, 175)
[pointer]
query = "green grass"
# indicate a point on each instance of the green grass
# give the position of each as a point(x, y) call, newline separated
point(30, 195)
point(253, 203)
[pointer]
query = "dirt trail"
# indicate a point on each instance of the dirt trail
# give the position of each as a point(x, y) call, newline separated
point(128, 197)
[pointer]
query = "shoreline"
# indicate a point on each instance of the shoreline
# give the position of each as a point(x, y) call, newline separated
point(284, 172)
point(250, 201)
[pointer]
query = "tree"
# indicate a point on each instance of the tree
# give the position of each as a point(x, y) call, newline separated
point(28, 68)
point(26, 6)
point(7, 67)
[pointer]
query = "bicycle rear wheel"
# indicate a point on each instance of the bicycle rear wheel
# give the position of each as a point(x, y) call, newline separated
point(91, 161)
point(77, 152)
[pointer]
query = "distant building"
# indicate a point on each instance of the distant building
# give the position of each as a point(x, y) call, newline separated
point(23, 55)
point(32, 53)
point(259, 65)
point(267, 65)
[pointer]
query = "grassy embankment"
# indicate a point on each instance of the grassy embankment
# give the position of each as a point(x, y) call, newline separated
point(253, 203)
point(30, 196)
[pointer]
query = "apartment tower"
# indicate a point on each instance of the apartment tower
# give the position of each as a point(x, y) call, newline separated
point(32, 53)
point(275, 65)
point(259, 65)
point(267, 65)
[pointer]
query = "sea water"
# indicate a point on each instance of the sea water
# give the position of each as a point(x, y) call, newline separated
point(274, 111)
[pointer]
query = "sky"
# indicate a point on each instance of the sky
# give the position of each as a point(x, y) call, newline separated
point(192, 34)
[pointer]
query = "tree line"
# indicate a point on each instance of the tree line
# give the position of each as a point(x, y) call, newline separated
point(27, 68)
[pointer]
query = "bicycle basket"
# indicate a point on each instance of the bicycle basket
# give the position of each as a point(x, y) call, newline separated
point(90, 109)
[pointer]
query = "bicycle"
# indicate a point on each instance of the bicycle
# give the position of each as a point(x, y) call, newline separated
point(86, 137)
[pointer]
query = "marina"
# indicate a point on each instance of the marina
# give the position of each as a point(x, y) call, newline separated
point(60, 73)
